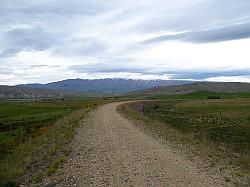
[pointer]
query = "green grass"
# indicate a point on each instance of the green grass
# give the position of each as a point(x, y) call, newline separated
point(193, 95)
point(223, 122)
point(213, 120)
point(55, 164)
point(34, 137)
point(21, 120)
point(205, 95)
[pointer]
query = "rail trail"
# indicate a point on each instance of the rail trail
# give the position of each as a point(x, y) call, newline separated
point(108, 150)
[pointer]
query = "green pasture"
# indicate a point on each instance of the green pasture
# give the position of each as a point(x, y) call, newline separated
point(21, 120)
point(225, 122)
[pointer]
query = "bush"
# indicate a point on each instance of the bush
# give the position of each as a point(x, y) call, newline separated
point(213, 97)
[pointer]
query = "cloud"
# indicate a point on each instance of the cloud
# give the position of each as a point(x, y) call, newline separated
point(201, 75)
point(6, 71)
point(9, 52)
point(50, 40)
point(38, 66)
point(42, 66)
point(102, 68)
point(60, 7)
point(235, 32)
point(105, 68)
point(91, 48)
point(183, 15)
point(27, 39)
point(229, 79)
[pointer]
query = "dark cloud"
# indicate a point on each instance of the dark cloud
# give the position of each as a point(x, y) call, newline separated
point(108, 32)
point(196, 15)
point(40, 25)
point(106, 68)
point(115, 65)
point(27, 39)
point(125, 67)
point(8, 52)
point(31, 38)
point(235, 32)
point(195, 75)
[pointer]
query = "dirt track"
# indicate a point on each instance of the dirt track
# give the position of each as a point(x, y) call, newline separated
point(109, 150)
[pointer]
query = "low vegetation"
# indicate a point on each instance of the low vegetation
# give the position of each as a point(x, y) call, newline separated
point(34, 134)
point(20, 121)
point(193, 95)
point(226, 121)
point(216, 128)
point(34, 137)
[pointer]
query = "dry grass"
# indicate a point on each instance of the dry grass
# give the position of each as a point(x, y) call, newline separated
point(32, 160)
point(208, 155)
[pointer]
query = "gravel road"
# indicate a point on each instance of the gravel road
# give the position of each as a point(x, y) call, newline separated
point(108, 150)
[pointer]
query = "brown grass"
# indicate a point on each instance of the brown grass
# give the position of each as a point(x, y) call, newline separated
point(207, 155)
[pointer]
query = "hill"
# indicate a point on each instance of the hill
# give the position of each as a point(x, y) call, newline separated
point(225, 87)
point(104, 85)
point(14, 92)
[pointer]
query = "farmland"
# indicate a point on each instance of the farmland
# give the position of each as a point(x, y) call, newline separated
point(20, 120)
point(34, 134)
point(192, 95)
point(222, 121)
point(207, 126)
point(218, 129)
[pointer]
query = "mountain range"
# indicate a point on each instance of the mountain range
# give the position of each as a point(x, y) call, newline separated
point(73, 87)
point(16, 92)
point(226, 87)
point(104, 85)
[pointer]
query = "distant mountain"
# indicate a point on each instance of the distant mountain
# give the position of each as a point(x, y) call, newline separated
point(73, 87)
point(228, 87)
point(104, 85)
point(14, 92)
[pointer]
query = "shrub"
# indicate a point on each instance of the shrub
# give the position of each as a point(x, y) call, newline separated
point(213, 97)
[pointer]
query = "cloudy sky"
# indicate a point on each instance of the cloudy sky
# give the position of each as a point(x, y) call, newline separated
point(50, 40)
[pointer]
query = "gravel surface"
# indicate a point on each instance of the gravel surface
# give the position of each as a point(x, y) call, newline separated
point(108, 150)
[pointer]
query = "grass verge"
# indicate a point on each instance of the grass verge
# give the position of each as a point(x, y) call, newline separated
point(41, 155)
point(172, 125)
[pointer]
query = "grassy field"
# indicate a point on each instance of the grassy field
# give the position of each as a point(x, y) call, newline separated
point(193, 95)
point(222, 121)
point(34, 135)
point(218, 129)
point(21, 120)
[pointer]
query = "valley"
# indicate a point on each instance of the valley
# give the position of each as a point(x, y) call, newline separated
point(205, 128)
